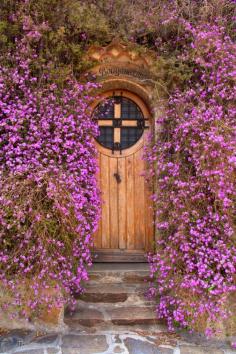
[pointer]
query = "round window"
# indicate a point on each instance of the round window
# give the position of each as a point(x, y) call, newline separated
point(121, 122)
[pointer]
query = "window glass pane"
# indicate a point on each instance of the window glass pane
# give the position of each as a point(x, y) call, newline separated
point(106, 137)
point(129, 110)
point(105, 109)
point(129, 136)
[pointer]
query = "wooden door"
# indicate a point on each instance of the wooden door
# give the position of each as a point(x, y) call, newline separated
point(126, 228)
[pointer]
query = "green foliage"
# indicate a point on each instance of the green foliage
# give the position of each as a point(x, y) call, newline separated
point(3, 26)
point(87, 18)
point(171, 72)
point(68, 27)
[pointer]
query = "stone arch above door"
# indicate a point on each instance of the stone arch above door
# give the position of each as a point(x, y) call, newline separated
point(126, 230)
point(122, 66)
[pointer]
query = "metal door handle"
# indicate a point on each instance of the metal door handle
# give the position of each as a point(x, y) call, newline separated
point(117, 177)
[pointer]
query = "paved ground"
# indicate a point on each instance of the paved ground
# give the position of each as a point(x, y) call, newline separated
point(109, 342)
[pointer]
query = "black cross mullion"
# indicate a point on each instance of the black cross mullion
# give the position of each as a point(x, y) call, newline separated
point(124, 126)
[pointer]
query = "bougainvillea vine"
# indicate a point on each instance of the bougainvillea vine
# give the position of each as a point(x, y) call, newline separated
point(48, 195)
point(194, 162)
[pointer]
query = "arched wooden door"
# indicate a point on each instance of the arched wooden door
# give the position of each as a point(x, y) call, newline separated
point(126, 228)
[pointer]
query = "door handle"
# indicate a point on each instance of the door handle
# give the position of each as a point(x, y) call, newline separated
point(117, 177)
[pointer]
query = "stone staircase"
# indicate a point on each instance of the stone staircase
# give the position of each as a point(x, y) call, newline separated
point(114, 297)
point(113, 316)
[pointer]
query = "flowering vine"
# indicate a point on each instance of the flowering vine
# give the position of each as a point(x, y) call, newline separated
point(48, 193)
point(194, 163)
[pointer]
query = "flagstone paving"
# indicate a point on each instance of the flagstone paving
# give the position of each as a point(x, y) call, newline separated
point(109, 342)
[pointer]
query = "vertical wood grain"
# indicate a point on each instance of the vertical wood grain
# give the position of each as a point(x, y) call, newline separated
point(123, 203)
point(149, 208)
point(139, 201)
point(104, 162)
point(98, 233)
point(130, 202)
point(149, 216)
point(114, 222)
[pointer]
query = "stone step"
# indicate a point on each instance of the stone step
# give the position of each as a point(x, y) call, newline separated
point(92, 315)
point(129, 277)
point(114, 297)
point(114, 292)
point(119, 273)
point(120, 267)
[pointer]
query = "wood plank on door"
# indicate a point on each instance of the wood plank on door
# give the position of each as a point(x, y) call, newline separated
point(113, 202)
point(130, 202)
point(139, 201)
point(98, 233)
point(105, 220)
point(149, 217)
point(122, 204)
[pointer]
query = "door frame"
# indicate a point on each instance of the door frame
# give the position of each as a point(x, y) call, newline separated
point(114, 255)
